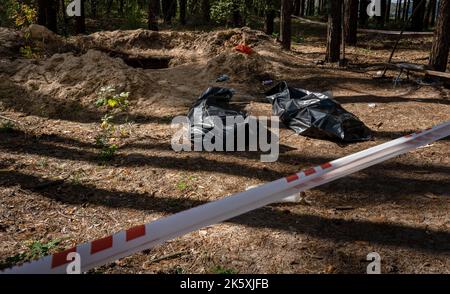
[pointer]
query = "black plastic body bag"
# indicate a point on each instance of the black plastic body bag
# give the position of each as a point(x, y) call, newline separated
point(316, 115)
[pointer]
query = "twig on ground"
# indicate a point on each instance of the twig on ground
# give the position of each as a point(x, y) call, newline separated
point(168, 256)
point(10, 119)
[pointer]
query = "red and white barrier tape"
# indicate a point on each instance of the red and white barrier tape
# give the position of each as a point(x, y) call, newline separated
point(125, 243)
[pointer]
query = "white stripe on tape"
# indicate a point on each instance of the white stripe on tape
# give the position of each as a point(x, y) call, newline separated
point(146, 236)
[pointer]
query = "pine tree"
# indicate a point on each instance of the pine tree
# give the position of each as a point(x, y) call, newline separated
point(334, 30)
point(440, 48)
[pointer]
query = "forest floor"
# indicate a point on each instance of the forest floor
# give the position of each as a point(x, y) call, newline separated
point(55, 193)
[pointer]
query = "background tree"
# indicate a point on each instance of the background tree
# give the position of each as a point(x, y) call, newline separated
point(440, 48)
point(363, 17)
point(270, 17)
point(351, 21)
point(382, 18)
point(286, 24)
point(206, 7)
point(80, 21)
point(334, 30)
point(153, 11)
point(48, 14)
point(417, 17)
point(183, 4)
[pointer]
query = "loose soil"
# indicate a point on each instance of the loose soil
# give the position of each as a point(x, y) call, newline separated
point(53, 187)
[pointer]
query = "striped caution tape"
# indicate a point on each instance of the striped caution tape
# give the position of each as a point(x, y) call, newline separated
point(136, 239)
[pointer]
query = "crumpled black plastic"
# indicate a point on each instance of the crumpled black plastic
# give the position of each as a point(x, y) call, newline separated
point(316, 115)
point(213, 103)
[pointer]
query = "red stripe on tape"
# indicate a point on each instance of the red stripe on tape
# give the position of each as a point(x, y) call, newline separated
point(135, 232)
point(101, 244)
point(309, 171)
point(61, 257)
point(292, 178)
point(326, 165)
point(409, 136)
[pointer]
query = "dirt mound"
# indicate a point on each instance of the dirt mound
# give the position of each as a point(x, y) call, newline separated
point(10, 42)
point(181, 47)
point(241, 66)
point(69, 82)
point(152, 66)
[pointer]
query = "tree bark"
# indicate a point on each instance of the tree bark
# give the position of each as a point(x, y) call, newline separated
point(398, 10)
point(302, 8)
point(388, 11)
point(427, 15)
point(296, 10)
point(183, 12)
point(382, 18)
point(52, 15)
point(363, 17)
point(167, 11)
point(433, 14)
point(351, 21)
point(153, 11)
point(206, 7)
point(285, 24)
point(94, 8)
point(80, 21)
point(42, 12)
point(440, 48)
point(334, 30)
point(270, 17)
point(417, 18)
point(237, 17)
point(406, 10)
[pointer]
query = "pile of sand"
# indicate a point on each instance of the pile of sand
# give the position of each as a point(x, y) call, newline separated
point(10, 42)
point(69, 81)
point(66, 82)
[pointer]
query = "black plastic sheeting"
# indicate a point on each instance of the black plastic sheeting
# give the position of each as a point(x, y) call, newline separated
point(213, 103)
point(316, 115)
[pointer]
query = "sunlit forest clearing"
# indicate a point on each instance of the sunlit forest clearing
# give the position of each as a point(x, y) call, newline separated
point(86, 105)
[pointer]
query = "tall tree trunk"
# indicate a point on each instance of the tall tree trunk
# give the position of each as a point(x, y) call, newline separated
point(406, 10)
point(302, 7)
point(398, 10)
point(426, 17)
point(388, 11)
point(52, 15)
point(297, 7)
point(381, 19)
point(285, 24)
point(120, 10)
point(42, 12)
point(363, 17)
point(433, 13)
point(167, 10)
point(183, 12)
point(206, 7)
point(237, 17)
point(351, 21)
point(62, 6)
point(153, 11)
point(440, 48)
point(108, 7)
point(174, 8)
point(94, 8)
point(334, 30)
point(417, 18)
point(310, 7)
point(80, 21)
point(270, 17)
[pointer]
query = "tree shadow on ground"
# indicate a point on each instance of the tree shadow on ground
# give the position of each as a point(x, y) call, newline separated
point(329, 228)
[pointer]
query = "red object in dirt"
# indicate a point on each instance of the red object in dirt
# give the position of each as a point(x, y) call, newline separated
point(244, 49)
